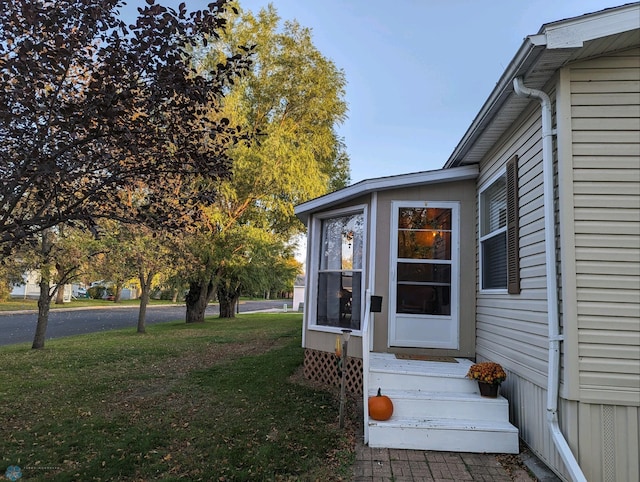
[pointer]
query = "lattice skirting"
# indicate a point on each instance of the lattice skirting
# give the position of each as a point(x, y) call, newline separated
point(323, 367)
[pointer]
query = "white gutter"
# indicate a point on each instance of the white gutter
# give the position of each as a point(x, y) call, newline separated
point(553, 378)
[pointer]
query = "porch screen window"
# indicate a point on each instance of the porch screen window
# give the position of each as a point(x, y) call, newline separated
point(340, 272)
point(424, 261)
point(499, 232)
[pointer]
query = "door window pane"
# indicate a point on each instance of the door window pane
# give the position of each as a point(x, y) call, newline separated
point(424, 261)
point(424, 218)
point(424, 233)
point(424, 244)
point(424, 300)
point(424, 272)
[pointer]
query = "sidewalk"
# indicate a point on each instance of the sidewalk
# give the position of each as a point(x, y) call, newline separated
point(378, 465)
point(395, 465)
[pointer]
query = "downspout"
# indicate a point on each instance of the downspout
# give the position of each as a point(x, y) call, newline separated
point(553, 377)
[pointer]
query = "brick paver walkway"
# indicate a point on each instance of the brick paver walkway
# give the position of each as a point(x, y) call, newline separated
point(382, 465)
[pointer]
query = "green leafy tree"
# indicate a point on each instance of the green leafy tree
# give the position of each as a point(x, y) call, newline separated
point(72, 252)
point(59, 257)
point(114, 263)
point(293, 100)
point(150, 254)
point(10, 274)
point(251, 261)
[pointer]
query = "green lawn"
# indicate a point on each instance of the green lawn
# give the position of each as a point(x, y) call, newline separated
point(219, 401)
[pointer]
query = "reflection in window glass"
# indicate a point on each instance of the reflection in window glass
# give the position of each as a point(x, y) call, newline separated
point(342, 243)
point(424, 261)
point(340, 273)
point(424, 233)
point(339, 299)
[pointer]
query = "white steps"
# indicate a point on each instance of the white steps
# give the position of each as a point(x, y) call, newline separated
point(437, 408)
point(448, 405)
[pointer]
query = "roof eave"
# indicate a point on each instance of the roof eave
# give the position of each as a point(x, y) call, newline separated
point(563, 38)
point(302, 211)
point(527, 55)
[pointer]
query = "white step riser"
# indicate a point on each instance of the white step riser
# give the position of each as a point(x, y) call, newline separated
point(425, 383)
point(443, 440)
point(480, 409)
point(437, 408)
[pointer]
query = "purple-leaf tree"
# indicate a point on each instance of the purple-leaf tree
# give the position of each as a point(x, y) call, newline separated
point(99, 119)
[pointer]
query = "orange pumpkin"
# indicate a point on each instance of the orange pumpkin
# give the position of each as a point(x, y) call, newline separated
point(380, 407)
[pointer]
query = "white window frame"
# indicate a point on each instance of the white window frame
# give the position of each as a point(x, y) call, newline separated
point(481, 238)
point(314, 265)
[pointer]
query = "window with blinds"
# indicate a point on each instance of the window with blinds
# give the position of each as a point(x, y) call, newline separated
point(499, 232)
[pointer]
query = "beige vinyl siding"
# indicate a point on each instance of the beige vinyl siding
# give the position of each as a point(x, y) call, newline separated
point(512, 329)
point(605, 125)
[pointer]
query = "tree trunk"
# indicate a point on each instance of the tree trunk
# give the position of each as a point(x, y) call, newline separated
point(197, 299)
point(44, 300)
point(118, 293)
point(59, 295)
point(43, 315)
point(228, 299)
point(145, 283)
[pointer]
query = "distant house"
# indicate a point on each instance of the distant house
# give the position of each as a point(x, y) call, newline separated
point(30, 288)
point(298, 293)
point(523, 250)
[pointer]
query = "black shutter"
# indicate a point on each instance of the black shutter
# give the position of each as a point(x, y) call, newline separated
point(513, 251)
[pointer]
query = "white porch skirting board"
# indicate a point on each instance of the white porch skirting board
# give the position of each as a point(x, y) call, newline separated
point(437, 408)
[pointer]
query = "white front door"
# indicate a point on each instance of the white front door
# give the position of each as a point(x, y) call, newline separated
point(424, 275)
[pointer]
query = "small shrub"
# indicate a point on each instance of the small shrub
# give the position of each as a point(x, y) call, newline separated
point(96, 292)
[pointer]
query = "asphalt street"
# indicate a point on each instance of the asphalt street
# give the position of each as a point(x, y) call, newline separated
point(20, 327)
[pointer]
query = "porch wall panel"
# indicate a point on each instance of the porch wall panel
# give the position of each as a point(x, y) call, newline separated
point(464, 192)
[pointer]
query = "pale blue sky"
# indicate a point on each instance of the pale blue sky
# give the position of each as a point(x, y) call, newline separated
point(417, 71)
